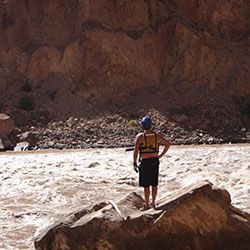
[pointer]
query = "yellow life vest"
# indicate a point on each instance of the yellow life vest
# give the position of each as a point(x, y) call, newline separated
point(149, 144)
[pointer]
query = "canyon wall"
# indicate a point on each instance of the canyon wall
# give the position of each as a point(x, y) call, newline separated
point(86, 52)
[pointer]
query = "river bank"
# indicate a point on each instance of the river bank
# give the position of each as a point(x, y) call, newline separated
point(114, 131)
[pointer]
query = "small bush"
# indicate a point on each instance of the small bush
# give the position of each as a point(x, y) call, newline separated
point(26, 87)
point(245, 110)
point(52, 93)
point(35, 115)
point(26, 103)
point(133, 123)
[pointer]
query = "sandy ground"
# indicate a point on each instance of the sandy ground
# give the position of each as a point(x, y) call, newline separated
point(39, 187)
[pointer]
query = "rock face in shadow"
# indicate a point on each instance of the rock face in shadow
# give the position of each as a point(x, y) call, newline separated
point(197, 217)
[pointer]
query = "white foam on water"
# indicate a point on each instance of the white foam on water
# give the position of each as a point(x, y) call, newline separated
point(40, 187)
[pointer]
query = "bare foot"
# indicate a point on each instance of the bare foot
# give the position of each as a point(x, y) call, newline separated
point(154, 206)
point(144, 208)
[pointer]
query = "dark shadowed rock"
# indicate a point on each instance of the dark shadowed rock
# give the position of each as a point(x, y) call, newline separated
point(7, 143)
point(1, 145)
point(197, 217)
point(28, 137)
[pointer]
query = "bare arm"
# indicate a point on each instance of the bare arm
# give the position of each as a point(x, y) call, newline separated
point(136, 148)
point(165, 143)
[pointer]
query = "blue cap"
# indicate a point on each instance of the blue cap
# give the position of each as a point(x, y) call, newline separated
point(146, 122)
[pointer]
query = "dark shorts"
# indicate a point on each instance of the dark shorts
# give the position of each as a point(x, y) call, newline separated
point(149, 172)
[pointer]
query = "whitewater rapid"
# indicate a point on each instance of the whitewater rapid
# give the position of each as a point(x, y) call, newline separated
point(39, 187)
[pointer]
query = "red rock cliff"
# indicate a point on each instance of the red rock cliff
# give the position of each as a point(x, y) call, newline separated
point(108, 49)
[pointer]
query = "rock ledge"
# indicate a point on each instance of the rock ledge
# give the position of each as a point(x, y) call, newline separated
point(196, 217)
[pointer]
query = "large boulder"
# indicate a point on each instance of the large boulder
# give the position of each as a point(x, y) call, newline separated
point(197, 217)
point(7, 125)
point(7, 135)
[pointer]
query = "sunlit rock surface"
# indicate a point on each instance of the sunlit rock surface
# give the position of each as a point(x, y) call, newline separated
point(106, 50)
point(7, 126)
point(197, 217)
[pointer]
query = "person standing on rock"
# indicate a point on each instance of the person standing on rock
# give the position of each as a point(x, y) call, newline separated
point(147, 148)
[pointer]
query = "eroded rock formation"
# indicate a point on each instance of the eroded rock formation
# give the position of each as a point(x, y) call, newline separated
point(113, 44)
point(6, 125)
point(59, 59)
point(197, 217)
point(7, 137)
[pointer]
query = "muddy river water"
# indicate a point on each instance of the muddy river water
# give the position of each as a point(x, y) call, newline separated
point(39, 187)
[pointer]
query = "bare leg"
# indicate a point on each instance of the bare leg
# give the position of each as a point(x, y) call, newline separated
point(154, 194)
point(146, 194)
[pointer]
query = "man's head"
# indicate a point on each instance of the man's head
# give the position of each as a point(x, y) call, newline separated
point(146, 122)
